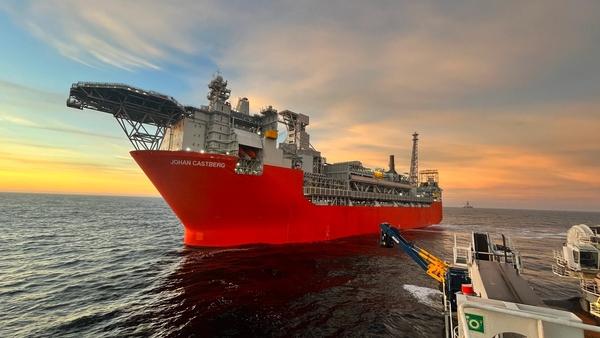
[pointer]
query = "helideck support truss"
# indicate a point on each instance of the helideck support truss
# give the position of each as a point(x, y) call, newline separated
point(143, 115)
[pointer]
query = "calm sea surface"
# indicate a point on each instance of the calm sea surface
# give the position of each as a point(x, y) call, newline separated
point(115, 266)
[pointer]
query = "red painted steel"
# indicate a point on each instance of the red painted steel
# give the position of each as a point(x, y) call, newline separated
point(221, 208)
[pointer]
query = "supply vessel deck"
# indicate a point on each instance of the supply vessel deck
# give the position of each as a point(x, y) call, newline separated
point(484, 292)
point(232, 179)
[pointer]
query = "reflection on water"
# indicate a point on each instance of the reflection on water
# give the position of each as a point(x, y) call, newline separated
point(317, 289)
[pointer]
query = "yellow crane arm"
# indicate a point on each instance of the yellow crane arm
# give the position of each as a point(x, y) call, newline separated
point(435, 267)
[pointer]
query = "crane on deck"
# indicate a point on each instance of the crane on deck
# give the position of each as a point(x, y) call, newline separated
point(451, 278)
point(435, 267)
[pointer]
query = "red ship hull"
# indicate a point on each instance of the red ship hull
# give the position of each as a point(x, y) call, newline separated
point(221, 208)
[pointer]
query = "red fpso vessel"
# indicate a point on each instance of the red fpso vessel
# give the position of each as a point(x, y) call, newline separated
point(223, 175)
point(221, 208)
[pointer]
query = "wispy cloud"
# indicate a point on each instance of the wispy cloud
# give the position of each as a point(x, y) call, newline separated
point(127, 35)
point(30, 107)
point(16, 94)
point(77, 131)
point(57, 160)
point(21, 121)
point(52, 126)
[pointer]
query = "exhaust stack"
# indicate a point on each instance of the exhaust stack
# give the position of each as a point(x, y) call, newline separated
point(392, 165)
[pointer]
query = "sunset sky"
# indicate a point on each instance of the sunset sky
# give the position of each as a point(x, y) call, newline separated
point(505, 94)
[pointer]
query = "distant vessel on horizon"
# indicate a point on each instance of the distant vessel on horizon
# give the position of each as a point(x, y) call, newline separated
point(468, 205)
